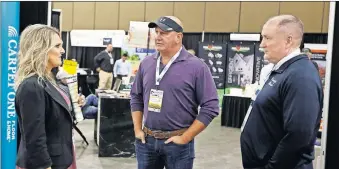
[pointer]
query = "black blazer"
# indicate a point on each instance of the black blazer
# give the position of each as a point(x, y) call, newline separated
point(45, 124)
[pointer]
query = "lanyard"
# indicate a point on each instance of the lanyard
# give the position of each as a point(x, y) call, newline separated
point(158, 76)
point(262, 85)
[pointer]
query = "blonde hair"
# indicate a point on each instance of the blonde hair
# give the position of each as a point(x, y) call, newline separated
point(35, 43)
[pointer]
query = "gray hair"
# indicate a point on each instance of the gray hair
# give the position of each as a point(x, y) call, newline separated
point(290, 24)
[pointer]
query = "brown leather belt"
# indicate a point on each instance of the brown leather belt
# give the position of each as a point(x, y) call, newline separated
point(163, 134)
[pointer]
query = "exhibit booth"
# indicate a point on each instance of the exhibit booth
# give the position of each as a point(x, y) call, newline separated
point(235, 62)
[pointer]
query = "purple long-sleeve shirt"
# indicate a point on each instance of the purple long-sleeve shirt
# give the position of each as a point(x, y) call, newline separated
point(187, 84)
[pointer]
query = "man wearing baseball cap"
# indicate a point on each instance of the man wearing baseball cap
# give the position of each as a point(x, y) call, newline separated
point(168, 88)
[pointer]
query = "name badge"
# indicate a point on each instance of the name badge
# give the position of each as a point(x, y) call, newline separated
point(155, 100)
point(111, 60)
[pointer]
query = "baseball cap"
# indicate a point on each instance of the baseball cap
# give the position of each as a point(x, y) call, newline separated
point(166, 24)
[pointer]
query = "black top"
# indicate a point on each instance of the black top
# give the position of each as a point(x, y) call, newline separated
point(103, 60)
point(45, 123)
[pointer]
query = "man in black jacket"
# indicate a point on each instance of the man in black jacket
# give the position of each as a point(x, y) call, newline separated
point(104, 65)
point(282, 122)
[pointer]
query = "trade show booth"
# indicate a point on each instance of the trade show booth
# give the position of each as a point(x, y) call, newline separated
point(235, 62)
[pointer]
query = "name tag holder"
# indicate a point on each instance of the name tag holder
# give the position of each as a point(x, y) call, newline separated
point(156, 95)
point(254, 97)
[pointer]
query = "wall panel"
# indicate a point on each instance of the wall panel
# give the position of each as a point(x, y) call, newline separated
point(156, 9)
point(83, 15)
point(106, 15)
point(222, 16)
point(67, 14)
point(310, 14)
point(130, 11)
point(255, 14)
point(191, 14)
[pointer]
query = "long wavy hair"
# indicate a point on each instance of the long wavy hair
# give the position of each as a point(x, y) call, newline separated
point(35, 43)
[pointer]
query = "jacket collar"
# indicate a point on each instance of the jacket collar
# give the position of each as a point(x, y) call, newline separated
point(56, 96)
point(284, 66)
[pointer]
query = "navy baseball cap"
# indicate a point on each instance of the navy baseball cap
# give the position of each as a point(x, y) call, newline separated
point(166, 24)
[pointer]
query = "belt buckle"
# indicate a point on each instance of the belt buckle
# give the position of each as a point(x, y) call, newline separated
point(161, 134)
point(157, 134)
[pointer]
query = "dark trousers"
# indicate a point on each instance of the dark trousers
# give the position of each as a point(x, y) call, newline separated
point(155, 154)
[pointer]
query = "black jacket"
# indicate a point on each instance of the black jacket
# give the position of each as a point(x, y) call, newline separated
point(45, 124)
point(282, 127)
point(103, 60)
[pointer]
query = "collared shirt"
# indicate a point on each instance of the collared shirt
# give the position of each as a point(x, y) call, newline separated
point(266, 70)
point(187, 84)
point(293, 54)
point(122, 68)
point(264, 73)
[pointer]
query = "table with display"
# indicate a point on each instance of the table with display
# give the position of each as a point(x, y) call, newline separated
point(113, 129)
point(234, 109)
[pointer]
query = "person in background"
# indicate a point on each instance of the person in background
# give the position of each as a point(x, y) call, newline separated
point(122, 68)
point(282, 122)
point(308, 52)
point(43, 109)
point(89, 105)
point(103, 63)
point(166, 93)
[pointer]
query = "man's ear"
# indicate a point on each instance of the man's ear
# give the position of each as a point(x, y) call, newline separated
point(179, 37)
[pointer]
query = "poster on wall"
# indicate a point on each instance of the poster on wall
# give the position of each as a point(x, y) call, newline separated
point(97, 38)
point(320, 58)
point(319, 52)
point(140, 36)
point(135, 54)
point(214, 55)
point(240, 64)
point(259, 62)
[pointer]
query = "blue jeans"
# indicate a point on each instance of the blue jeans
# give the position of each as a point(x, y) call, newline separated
point(155, 154)
point(90, 109)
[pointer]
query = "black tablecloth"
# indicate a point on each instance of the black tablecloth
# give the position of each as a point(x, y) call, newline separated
point(234, 109)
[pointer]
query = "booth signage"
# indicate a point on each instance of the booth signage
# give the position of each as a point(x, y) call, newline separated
point(10, 15)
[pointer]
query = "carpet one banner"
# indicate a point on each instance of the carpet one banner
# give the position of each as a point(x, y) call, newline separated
point(240, 64)
point(214, 55)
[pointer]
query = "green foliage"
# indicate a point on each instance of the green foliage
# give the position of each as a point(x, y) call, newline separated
point(134, 57)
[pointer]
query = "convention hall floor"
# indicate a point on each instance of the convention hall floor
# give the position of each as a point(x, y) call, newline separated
point(216, 148)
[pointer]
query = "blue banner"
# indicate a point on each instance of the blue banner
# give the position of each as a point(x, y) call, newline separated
point(144, 50)
point(10, 15)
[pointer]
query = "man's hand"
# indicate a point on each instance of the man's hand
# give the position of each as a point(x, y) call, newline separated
point(178, 140)
point(98, 69)
point(140, 135)
point(81, 100)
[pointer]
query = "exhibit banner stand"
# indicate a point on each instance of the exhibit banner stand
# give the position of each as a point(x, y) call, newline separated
point(10, 16)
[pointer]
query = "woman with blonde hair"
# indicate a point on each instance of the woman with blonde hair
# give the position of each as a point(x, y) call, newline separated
point(43, 109)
